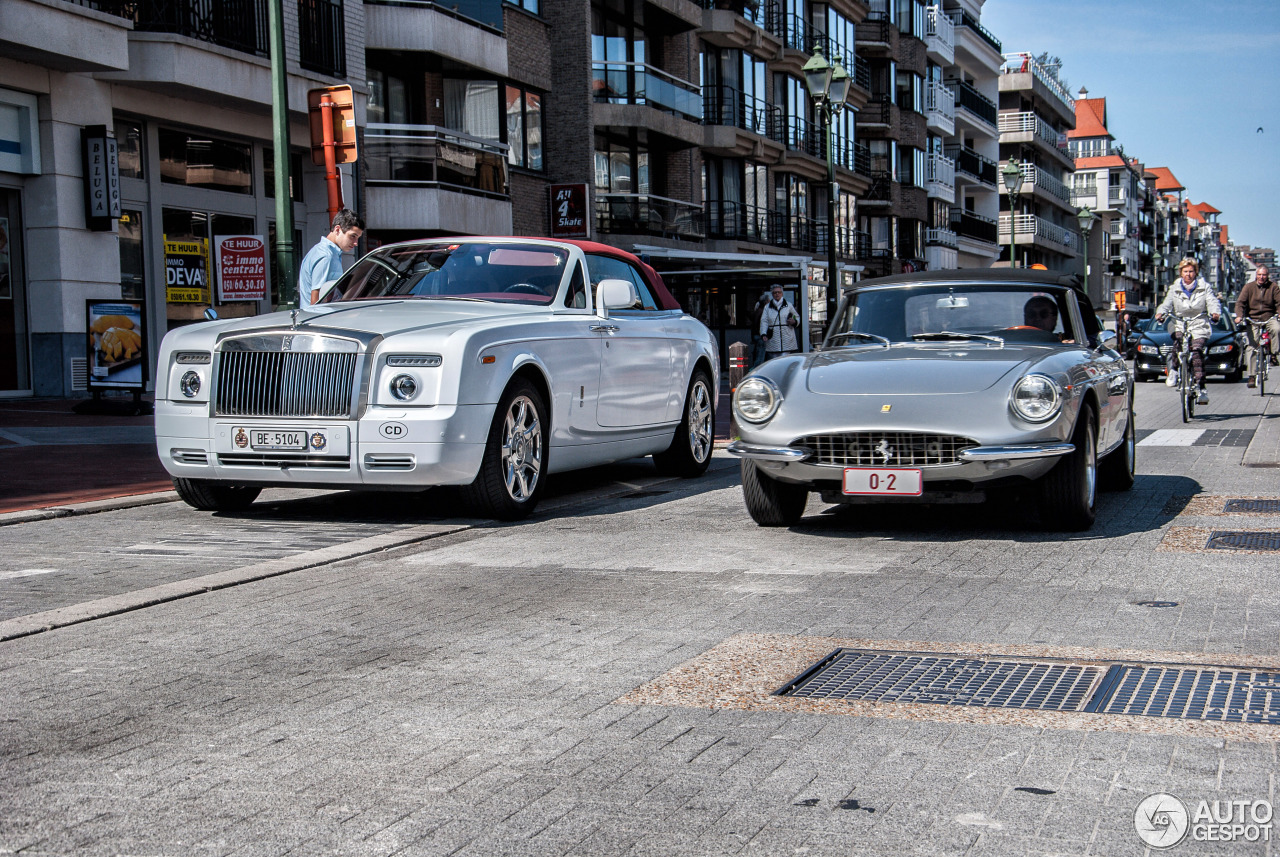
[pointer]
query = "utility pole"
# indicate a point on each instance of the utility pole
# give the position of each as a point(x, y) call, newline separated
point(286, 268)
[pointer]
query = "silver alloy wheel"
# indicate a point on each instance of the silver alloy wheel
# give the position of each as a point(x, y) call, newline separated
point(1091, 468)
point(521, 449)
point(700, 428)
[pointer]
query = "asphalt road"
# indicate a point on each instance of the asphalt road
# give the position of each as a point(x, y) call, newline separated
point(345, 674)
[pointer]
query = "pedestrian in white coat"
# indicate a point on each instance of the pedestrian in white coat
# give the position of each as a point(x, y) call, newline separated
point(779, 325)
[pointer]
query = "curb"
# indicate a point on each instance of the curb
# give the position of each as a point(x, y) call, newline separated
point(89, 507)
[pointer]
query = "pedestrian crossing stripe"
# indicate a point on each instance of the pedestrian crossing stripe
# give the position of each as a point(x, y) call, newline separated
point(1172, 437)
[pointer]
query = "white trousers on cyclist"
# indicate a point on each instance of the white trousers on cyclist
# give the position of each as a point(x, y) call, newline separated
point(1273, 326)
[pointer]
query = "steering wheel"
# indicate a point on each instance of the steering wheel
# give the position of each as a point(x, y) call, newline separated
point(1026, 327)
point(525, 289)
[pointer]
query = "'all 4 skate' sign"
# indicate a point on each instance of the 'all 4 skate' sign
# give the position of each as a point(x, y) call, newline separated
point(569, 211)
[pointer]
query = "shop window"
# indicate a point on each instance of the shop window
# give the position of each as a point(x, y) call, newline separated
point(269, 174)
point(129, 151)
point(201, 161)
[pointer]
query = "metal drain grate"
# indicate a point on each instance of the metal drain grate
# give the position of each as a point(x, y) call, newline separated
point(1190, 693)
point(1271, 506)
point(849, 674)
point(1225, 437)
point(1244, 540)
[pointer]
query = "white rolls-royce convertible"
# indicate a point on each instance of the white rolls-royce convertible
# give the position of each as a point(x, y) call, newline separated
point(485, 363)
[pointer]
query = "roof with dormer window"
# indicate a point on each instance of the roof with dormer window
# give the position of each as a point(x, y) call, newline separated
point(1091, 119)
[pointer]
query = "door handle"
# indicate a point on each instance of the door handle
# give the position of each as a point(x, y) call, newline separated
point(606, 328)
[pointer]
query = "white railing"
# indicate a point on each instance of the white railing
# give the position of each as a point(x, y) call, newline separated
point(1030, 123)
point(1039, 178)
point(941, 30)
point(1022, 61)
point(1029, 224)
point(941, 99)
point(940, 176)
point(1117, 194)
point(941, 237)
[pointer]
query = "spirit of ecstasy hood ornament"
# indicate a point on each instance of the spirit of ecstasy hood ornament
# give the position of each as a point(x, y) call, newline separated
point(293, 319)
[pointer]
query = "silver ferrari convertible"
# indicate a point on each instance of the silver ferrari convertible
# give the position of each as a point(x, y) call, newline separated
point(943, 387)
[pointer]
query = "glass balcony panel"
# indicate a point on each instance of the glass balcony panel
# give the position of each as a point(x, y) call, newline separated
point(639, 83)
point(429, 155)
point(640, 213)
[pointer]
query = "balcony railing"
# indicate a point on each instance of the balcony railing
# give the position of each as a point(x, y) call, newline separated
point(646, 214)
point(874, 29)
point(941, 100)
point(939, 31)
point(484, 13)
point(803, 136)
point(725, 106)
point(1117, 195)
point(972, 225)
point(240, 25)
point(1030, 123)
point(941, 237)
point(639, 83)
point(1020, 63)
point(1038, 178)
point(862, 73)
point(940, 176)
point(427, 155)
point(878, 111)
point(961, 18)
point(795, 33)
point(971, 163)
point(736, 220)
point(321, 37)
point(975, 102)
point(1050, 233)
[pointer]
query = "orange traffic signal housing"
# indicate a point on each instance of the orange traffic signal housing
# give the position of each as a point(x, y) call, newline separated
point(338, 102)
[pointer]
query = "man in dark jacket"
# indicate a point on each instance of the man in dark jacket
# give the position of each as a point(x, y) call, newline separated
point(1259, 300)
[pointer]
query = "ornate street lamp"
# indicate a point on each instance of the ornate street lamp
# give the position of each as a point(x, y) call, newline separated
point(828, 86)
point(1011, 172)
point(1086, 218)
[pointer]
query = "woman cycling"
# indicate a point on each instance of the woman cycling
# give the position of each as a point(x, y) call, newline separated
point(1191, 298)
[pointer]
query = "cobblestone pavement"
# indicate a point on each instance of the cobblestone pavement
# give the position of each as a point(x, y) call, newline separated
point(476, 694)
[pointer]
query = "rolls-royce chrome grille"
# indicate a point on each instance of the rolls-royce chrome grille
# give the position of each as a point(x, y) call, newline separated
point(884, 448)
point(283, 375)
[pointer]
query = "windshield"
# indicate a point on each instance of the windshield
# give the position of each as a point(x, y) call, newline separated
point(520, 273)
point(937, 313)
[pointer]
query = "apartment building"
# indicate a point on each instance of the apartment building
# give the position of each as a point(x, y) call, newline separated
point(181, 93)
point(1038, 222)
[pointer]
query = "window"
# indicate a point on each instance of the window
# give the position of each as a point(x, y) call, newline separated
point(608, 268)
point(909, 92)
point(909, 17)
point(129, 150)
point(524, 128)
point(527, 5)
point(388, 98)
point(471, 106)
point(201, 161)
point(269, 174)
point(841, 36)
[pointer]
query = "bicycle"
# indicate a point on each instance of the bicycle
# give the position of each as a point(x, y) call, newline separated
point(1187, 391)
point(1260, 356)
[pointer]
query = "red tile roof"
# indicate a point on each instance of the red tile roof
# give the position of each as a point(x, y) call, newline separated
point(1091, 119)
point(1165, 179)
point(1100, 161)
point(1205, 208)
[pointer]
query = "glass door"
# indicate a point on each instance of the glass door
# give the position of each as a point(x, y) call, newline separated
point(15, 368)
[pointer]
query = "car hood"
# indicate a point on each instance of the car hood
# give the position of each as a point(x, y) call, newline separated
point(924, 369)
point(390, 317)
point(1165, 338)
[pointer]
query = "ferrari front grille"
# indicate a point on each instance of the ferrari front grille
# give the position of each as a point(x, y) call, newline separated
point(884, 448)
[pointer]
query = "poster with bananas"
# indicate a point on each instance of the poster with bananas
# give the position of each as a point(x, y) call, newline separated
point(117, 346)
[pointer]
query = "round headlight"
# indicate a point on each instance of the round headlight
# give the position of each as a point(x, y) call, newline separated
point(404, 387)
point(756, 400)
point(1036, 398)
point(189, 384)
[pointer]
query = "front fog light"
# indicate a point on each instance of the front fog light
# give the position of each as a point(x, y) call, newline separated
point(190, 384)
point(1036, 398)
point(756, 400)
point(404, 387)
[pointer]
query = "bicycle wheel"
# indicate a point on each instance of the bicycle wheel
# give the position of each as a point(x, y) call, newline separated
point(1264, 361)
point(1186, 389)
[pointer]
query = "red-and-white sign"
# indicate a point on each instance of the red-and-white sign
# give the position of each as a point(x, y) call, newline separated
point(241, 267)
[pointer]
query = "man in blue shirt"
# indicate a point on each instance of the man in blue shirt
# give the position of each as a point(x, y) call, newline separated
point(323, 262)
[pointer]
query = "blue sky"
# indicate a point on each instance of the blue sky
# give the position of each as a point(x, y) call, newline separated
point(1187, 83)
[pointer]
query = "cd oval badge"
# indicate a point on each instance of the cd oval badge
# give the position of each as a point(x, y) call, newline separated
point(393, 431)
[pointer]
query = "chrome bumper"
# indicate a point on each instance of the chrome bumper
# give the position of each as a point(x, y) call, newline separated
point(976, 453)
point(767, 453)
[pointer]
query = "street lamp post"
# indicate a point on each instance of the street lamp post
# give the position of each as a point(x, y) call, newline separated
point(828, 86)
point(1086, 218)
point(1011, 172)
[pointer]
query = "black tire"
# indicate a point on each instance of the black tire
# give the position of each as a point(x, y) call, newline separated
point(1068, 492)
point(1116, 469)
point(769, 502)
point(1262, 382)
point(510, 480)
point(209, 495)
point(690, 450)
point(1234, 376)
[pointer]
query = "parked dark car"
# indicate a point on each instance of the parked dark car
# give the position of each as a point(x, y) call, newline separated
point(1223, 353)
point(1133, 334)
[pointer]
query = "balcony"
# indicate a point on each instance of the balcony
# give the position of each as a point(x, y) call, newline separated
point(969, 224)
point(801, 135)
point(739, 221)
point(940, 108)
point(322, 43)
point(1050, 88)
point(940, 177)
point(975, 103)
point(795, 33)
point(431, 156)
point(1027, 127)
point(240, 25)
point(646, 214)
point(970, 163)
point(465, 36)
point(968, 26)
point(734, 108)
point(873, 32)
point(1085, 196)
point(940, 257)
point(941, 238)
point(89, 37)
point(939, 36)
point(1040, 232)
point(639, 83)
point(1040, 182)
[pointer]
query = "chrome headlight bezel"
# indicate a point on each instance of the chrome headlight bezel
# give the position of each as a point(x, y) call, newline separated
point(756, 399)
point(190, 383)
point(403, 387)
point(1036, 398)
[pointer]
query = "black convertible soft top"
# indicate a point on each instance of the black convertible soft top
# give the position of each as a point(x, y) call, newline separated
point(994, 276)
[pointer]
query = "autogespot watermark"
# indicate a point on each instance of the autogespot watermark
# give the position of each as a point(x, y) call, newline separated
point(1162, 821)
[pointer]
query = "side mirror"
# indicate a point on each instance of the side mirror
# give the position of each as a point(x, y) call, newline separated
point(614, 294)
point(1107, 339)
point(211, 314)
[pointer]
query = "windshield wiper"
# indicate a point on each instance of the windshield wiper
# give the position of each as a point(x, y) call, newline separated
point(951, 334)
point(847, 333)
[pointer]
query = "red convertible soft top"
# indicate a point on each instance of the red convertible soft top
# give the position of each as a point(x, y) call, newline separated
point(659, 288)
